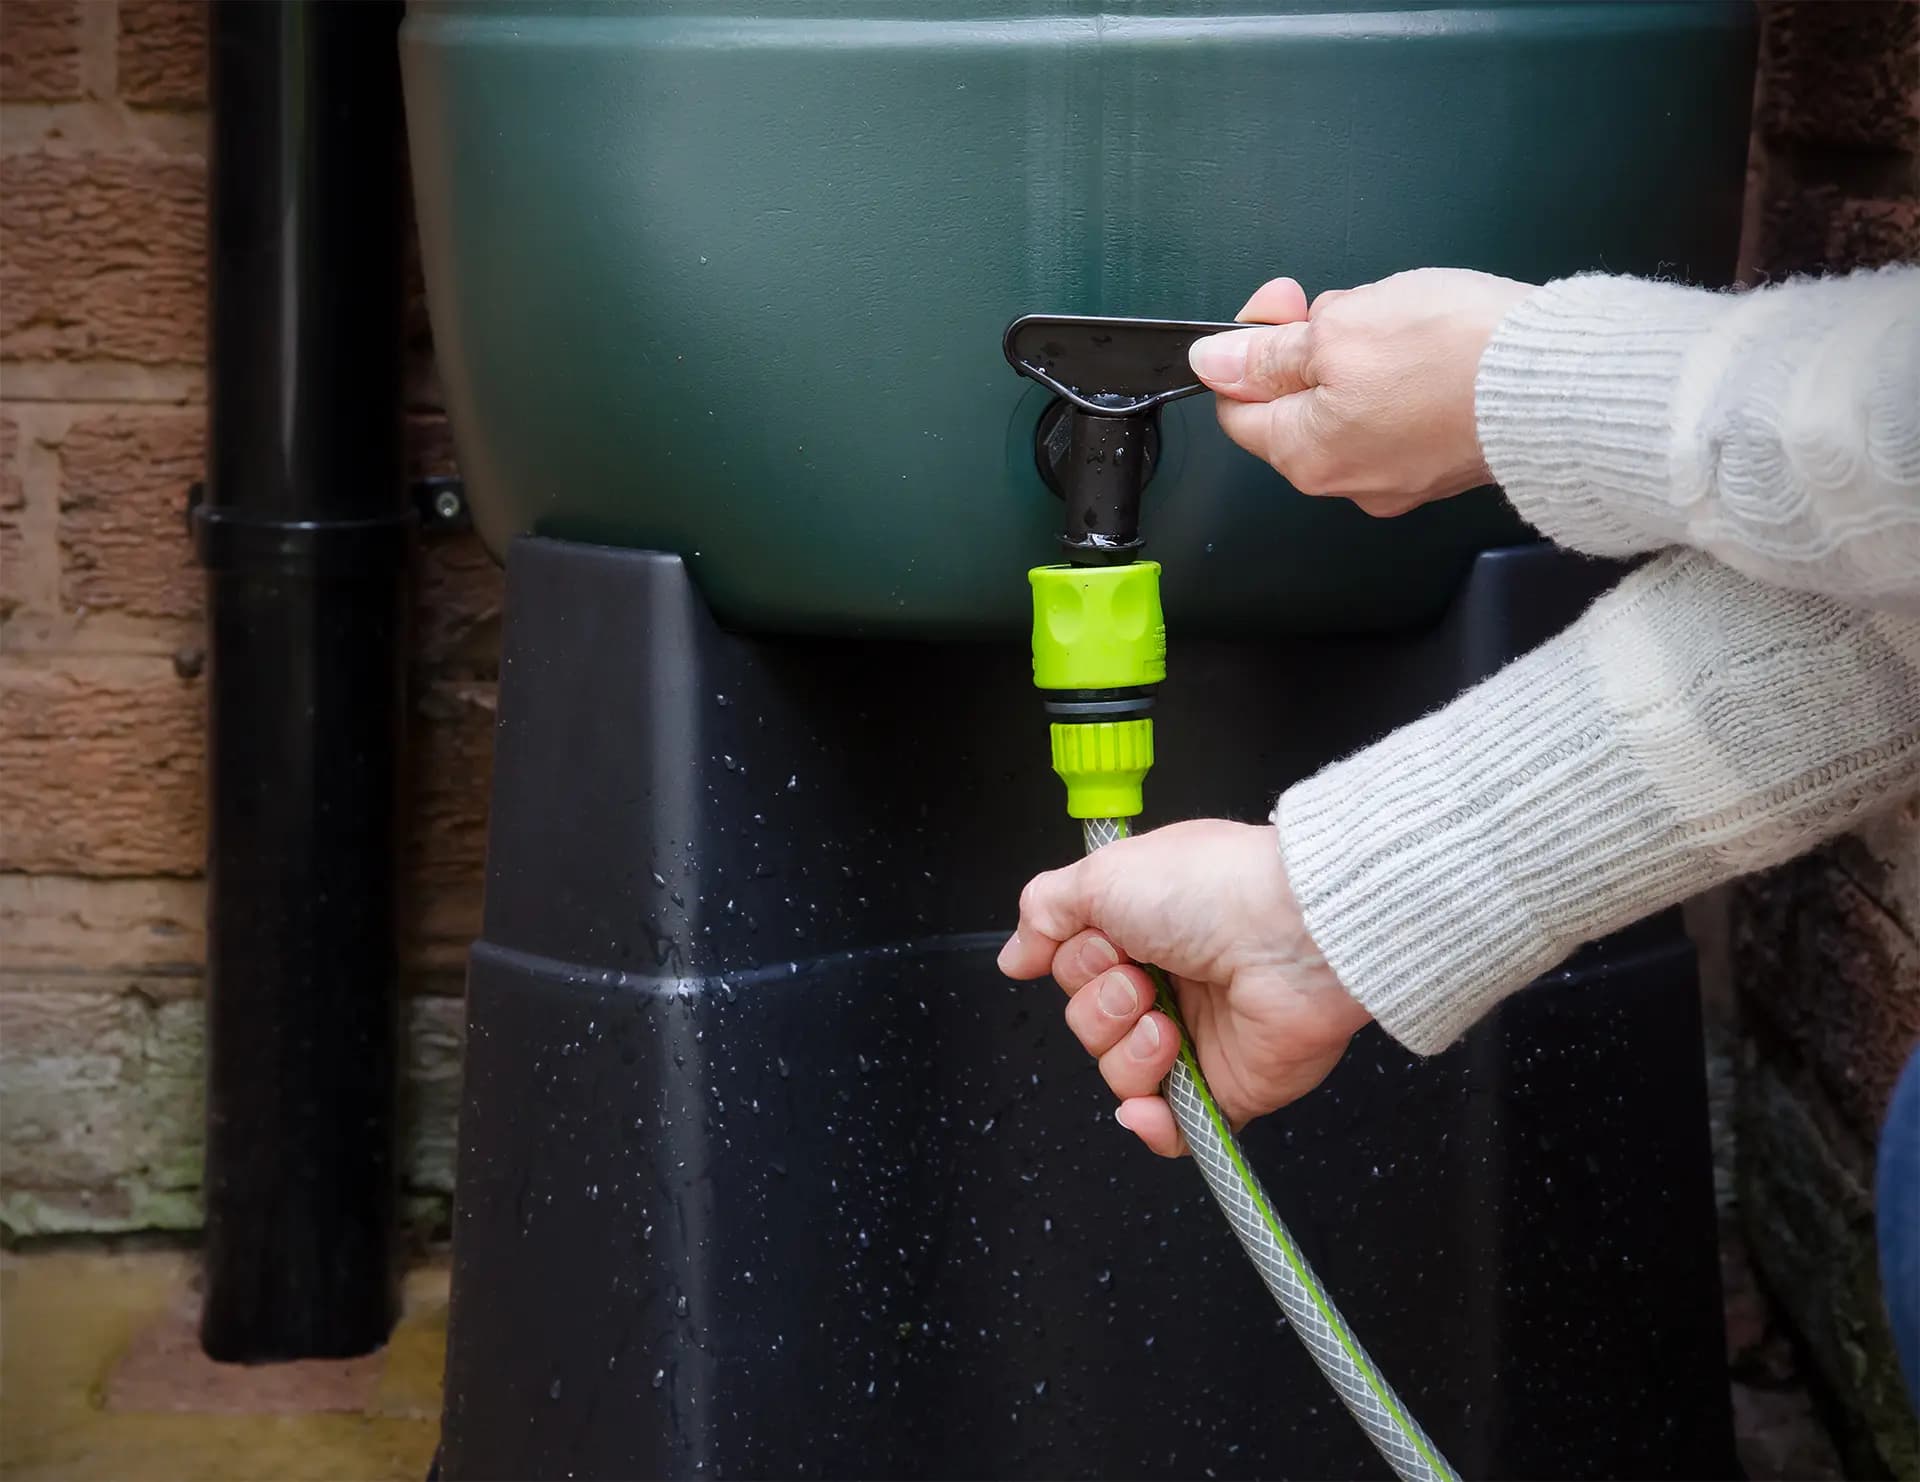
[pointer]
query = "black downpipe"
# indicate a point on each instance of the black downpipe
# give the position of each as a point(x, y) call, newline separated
point(305, 532)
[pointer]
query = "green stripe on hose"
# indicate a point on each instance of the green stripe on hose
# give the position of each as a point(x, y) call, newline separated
point(1386, 1422)
point(1362, 1365)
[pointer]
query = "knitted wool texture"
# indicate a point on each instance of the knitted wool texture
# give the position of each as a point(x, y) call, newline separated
point(1725, 707)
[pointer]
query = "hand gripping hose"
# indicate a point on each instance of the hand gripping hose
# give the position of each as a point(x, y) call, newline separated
point(1099, 647)
point(1234, 1185)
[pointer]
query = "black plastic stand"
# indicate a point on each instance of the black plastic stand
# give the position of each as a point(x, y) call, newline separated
point(764, 1171)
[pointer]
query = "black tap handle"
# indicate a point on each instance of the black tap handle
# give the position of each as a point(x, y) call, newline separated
point(1108, 367)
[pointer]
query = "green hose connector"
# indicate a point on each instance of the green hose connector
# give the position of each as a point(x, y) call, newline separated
point(1098, 627)
point(1099, 648)
point(1104, 765)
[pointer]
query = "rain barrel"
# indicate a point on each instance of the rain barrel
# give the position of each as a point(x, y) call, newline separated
point(763, 1170)
point(728, 279)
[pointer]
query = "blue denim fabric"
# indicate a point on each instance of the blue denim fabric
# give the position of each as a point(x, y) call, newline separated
point(1897, 1203)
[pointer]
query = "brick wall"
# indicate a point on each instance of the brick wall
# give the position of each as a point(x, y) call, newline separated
point(1826, 952)
point(102, 284)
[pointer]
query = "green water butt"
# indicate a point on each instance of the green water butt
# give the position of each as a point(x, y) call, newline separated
point(729, 279)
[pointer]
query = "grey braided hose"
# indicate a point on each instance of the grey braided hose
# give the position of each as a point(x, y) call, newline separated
point(1361, 1387)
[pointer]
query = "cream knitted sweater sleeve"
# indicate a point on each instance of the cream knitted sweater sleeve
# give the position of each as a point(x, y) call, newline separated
point(1722, 709)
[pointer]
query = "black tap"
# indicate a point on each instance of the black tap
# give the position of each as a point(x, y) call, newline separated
point(1097, 443)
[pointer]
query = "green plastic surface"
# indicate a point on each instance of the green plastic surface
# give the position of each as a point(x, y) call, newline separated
point(1098, 627)
point(1104, 765)
point(729, 279)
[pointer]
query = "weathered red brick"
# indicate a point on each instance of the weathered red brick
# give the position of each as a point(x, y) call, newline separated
point(1841, 74)
point(1819, 228)
point(39, 50)
point(13, 502)
point(100, 767)
point(458, 605)
point(430, 452)
point(104, 256)
point(1806, 1209)
point(1829, 968)
point(1792, 227)
point(1868, 233)
point(449, 783)
point(452, 767)
point(123, 534)
point(163, 53)
point(439, 926)
point(63, 924)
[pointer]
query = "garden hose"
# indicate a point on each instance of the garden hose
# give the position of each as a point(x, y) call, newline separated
point(1099, 650)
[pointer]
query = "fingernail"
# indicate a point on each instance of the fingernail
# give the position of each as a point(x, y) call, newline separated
point(1117, 996)
point(1220, 358)
point(1012, 942)
point(1097, 954)
point(1144, 1041)
point(1120, 1116)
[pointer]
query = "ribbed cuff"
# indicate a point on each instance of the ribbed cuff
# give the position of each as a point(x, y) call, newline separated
point(1577, 401)
point(1459, 858)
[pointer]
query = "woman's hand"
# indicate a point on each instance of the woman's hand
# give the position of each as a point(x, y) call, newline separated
point(1367, 395)
point(1208, 902)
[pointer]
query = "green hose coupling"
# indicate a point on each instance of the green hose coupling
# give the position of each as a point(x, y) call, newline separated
point(1098, 627)
point(1104, 764)
point(1099, 650)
